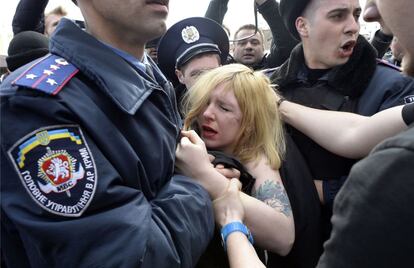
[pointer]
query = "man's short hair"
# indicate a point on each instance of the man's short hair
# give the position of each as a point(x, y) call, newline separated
point(249, 27)
point(60, 11)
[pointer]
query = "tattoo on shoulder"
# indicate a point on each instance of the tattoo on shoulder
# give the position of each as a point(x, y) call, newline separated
point(273, 194)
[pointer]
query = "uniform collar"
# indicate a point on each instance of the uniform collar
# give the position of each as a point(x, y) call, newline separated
point(140, 65)
point(120, 80)
point(350, 79)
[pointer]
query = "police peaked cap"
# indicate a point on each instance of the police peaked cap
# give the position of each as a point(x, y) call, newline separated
point(290, 10)
point(188, 38)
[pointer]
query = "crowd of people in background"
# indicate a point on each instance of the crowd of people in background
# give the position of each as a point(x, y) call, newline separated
point(127, 144)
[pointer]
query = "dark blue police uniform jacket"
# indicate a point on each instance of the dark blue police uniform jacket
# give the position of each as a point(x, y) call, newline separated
point(88, 145)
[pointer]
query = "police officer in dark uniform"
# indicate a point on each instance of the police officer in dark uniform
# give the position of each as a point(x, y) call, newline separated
point(88, 139)
point(339, 74)
point(189, 48)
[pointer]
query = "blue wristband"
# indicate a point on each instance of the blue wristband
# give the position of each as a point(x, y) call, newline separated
point(235, 226)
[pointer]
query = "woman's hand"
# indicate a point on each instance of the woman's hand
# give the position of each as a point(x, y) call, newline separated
point(229, 173)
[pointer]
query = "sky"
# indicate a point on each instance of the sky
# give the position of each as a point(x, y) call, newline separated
point(239, 12)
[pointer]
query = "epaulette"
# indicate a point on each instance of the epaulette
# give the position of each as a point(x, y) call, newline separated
point(388, 64)
point(48, 74)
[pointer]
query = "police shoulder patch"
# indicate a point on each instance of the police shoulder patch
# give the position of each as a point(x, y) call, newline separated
point(49, 74)
point(57, 169)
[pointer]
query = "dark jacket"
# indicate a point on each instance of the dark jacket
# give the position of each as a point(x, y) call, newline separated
point(373, 217)
point(115, 201)
point(381, 42)
point(362, 85)
point(29, 16)
point(306, 211)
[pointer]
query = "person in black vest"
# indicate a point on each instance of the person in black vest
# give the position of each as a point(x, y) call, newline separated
point(335, 69)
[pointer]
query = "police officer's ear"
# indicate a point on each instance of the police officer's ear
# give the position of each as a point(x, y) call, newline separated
point(180, 76)
point(302, 24)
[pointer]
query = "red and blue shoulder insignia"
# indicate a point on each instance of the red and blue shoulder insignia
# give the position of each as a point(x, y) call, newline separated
point(388, 64)
point(49, 74)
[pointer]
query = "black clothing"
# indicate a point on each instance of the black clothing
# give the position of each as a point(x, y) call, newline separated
point(337, 90)
point(408, 114)
point(381, 42)
point(373, 217)
point(245, 178)
point(290, 10)
point(26, 47)
point(315, 74)
point(305, 205)
point(29, 16)
point(304, 201)
point(362, 85)
point(216, 10)
point(282, 43)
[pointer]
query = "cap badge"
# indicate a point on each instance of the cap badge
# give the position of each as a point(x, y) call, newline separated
point(190, 34)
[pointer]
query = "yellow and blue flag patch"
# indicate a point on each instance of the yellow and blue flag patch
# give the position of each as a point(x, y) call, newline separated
point(56, 168)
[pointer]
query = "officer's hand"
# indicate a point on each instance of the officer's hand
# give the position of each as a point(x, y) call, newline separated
point(229, 173)
point(229, 208)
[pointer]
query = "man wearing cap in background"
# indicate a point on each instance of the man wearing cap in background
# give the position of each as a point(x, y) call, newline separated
point(334, 68)
point(24, 48)
point(189, 48)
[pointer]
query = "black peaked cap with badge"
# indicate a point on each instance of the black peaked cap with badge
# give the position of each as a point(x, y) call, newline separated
point(188, 38)
point(290, 10)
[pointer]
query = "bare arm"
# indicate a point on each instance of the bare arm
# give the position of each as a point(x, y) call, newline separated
point(346, 134)
point(229, 208)
point(272, 230)
point(241, 253)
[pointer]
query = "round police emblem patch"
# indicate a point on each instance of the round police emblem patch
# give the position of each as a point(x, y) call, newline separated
point(57, 169)
point(190, 34)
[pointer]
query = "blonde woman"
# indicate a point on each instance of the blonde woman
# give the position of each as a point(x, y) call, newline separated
point(234, 110)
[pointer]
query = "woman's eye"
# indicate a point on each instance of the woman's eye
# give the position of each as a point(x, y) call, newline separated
point(224, 108)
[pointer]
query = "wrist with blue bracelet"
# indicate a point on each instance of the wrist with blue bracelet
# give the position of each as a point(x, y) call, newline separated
point(235, 226)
